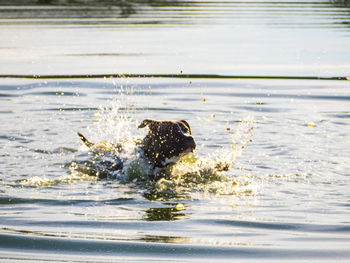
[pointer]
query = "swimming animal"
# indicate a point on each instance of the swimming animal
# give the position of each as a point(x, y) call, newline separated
point(166, 143)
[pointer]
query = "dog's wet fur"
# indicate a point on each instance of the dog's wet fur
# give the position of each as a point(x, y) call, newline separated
point(165, 143)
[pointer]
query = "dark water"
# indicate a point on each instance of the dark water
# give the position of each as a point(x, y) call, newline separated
point(286, 197)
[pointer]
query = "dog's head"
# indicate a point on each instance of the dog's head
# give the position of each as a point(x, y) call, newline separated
point(166, 140)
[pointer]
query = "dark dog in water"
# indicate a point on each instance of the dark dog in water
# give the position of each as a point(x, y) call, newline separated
point(165, 143)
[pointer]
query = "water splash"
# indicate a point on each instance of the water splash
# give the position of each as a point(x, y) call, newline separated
point(194, 173)
point(74, 176)
point(239, 139)
point(210, 174)
point(116, 125)
point(116, 122)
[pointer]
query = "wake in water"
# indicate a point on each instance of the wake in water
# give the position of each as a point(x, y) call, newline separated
point(119, 158)
point(207, 174)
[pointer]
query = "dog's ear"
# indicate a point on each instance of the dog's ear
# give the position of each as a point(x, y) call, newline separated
point(147, 122)
point(187, 126)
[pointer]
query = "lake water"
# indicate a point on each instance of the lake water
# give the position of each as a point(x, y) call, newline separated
point(286, 196)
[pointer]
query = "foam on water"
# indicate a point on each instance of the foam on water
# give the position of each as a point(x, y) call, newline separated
point(194, 173)
point(210, 174)
point(70, 178)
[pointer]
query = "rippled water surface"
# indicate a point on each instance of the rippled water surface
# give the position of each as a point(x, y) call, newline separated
point(286, 196)
point(227, 37)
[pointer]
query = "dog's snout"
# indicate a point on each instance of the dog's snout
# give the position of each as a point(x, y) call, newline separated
point(191, 143)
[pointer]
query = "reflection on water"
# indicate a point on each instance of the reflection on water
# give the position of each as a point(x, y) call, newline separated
point(308, 38)
point(163, 214)
point(296, 162)
point(289, 199)
point(341, 2)
point(312, 14)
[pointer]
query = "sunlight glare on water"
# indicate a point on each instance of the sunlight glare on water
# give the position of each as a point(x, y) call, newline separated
point(56, 197)
point(230, 37)
point(201, 173)
point(269, 179)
